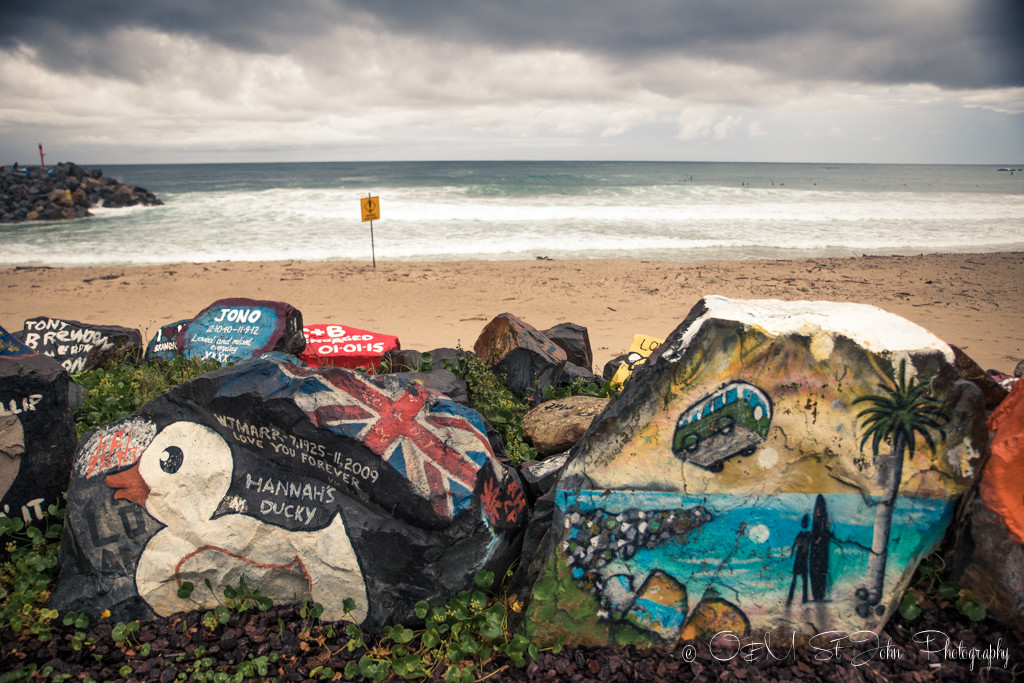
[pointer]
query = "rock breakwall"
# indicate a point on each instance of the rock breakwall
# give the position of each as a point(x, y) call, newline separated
point(63, 192)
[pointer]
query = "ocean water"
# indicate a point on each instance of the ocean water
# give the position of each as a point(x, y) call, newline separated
point(524, 210)
point(745, 553)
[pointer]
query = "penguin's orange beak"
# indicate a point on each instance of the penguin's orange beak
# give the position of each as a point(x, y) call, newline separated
point(129, 485)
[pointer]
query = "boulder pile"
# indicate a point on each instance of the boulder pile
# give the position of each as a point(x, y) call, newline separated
point(772, 467)
point(63, 192)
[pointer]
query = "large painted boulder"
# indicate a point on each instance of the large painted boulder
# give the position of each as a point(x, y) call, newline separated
point(773, 467)
point(997, 517)
point(37, 431)
point(80, 346)
point(320, 484)
point(346, 347)
point(236, 330)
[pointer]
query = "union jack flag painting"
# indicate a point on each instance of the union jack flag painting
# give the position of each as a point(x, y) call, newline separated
point(438, 445)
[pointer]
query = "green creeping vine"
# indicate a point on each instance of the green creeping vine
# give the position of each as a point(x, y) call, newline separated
point(462, 637)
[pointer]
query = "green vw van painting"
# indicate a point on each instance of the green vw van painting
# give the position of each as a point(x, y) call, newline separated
point(731, 421)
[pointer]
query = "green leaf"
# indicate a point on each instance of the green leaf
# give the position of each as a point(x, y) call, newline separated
point(975, 610)
point(421, 608)
point(430, 639)
point(484, 578)
point(119, 632)
point(185, 592)
point(949, 589)
point(909, 608)
point(348, 605)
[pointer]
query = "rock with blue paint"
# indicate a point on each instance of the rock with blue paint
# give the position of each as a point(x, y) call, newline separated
point(37, 431)
point(774, 467)
point(239, 329)
point(164, 344)
point(322, 484)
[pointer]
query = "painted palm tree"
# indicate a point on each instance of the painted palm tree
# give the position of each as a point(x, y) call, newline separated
point(896, 416)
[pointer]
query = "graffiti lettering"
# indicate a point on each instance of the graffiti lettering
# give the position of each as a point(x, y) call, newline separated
point(63, 341)
point(282, 489)
point(299, 513)
point(16, 407)
point(337, 473)
point(326, 349)
point(241, 315)
point(240, 427)
point(114, 452)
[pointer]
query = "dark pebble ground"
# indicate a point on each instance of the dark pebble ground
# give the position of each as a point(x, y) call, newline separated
point(181, 648)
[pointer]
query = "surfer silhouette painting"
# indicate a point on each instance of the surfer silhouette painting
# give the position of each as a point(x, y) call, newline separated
point(801, 553)
point(810, 554)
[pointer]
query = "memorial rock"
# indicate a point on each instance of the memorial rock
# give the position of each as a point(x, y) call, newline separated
point(773, 467)
point(320, 484)
point(236, 330)
point(37, 431)
point(164, 344)
point(997, 518)
point(528, 360)
point(80, 346)
point(346, 347)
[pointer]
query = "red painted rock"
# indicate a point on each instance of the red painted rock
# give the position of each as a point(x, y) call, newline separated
point(997, 517)
point(345, 347)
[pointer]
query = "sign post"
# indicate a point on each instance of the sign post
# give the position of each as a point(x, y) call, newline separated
point(371, 213)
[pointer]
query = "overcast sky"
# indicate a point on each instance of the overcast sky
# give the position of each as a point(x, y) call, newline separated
point(917, 81)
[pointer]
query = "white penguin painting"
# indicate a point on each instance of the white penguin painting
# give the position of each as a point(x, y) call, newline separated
point(181, 479)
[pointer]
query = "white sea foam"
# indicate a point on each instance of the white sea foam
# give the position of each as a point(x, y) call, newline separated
point(505, 215)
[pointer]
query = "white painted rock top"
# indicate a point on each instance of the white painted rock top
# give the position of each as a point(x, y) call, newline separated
point(873, 328)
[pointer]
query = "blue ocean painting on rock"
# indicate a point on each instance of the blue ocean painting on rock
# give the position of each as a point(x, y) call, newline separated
point(739, 548)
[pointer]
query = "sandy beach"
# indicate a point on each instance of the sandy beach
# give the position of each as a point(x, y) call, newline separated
point(973, 301)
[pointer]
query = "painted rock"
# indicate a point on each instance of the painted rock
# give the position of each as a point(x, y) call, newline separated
point(773, 467)
point(80, 346)
point(528, 360)
point(640, 350)
point(37, 431)
point(320, 484)
point(997, 517)
point(236, 330)
point(345, 347)
point(164, 344)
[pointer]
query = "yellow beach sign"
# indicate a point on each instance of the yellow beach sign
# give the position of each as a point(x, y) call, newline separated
point(371, 208)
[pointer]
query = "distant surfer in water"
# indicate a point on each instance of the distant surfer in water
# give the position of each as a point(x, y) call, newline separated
point(810, 554)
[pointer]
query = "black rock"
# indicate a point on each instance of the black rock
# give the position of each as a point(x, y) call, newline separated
point(37, 431)
point(80, 346)
point(313, 483)
point(575, 341)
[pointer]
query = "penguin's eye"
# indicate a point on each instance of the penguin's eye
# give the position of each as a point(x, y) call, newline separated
point(170, 459)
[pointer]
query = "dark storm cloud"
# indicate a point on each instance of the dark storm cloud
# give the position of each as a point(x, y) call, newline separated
point(971, 45)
